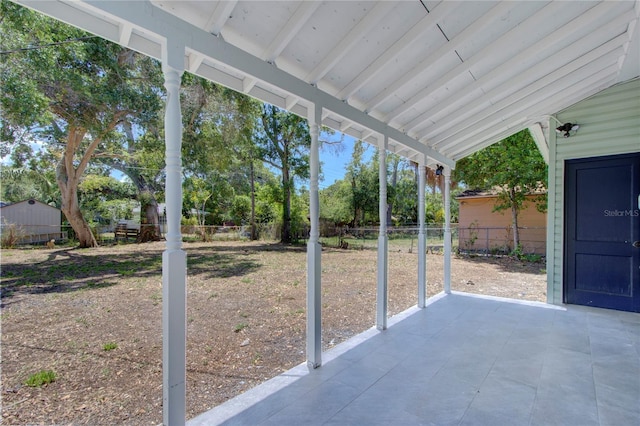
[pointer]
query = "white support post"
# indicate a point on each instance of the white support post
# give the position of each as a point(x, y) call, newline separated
point(422, 237)
point(174, 259)
point(447, 230)
point(382, 298)
point(314, 250)
point(553, 296)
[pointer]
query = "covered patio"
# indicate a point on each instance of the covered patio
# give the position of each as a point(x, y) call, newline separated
point(431, 81)
point(465, 360)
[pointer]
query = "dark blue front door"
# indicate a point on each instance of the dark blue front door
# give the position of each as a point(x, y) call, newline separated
point(602, 232)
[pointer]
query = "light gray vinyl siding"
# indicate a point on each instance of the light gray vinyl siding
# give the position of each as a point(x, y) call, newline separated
point(609, 124)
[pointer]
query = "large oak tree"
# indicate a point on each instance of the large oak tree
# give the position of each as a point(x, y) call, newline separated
point(74, 90)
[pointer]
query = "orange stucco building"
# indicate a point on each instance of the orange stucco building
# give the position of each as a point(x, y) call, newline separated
point(484, 230)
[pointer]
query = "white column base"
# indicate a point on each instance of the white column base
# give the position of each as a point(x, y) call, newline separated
point(422, 270)
point(382, 296)
point(174, 331)
point(314, 305)
point(447, 261)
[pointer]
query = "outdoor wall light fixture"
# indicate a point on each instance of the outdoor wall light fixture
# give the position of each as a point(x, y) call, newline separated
point(439, 170)
point(567, 128)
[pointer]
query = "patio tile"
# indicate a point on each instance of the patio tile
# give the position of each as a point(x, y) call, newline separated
point(443, 401)
point(523, 370)
point(464, 360)
point(617, 416)
point(501, 401)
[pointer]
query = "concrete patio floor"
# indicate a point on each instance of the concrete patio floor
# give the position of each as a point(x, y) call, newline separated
point(464, 360)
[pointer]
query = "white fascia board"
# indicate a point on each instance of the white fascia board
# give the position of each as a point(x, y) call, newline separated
point(540, 140)
point(151, 19)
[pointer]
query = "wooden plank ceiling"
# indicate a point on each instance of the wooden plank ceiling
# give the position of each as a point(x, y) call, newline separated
point(445, 77)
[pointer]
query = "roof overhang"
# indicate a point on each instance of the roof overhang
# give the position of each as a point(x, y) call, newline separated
point(440, 79)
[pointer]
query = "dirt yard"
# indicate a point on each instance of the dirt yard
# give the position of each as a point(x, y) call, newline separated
point(94, 317)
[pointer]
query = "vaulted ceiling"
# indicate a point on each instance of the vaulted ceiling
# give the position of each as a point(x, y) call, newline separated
point(441, 78)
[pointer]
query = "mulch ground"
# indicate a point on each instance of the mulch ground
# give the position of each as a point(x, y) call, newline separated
point(94, 317)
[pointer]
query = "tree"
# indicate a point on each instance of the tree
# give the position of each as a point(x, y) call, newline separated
point(73, 90)
point(365, 185)
point(284, 144)
point(30, 175)
point(218, 147)
point(104, 199)
point(514, 168)
point(336, 204)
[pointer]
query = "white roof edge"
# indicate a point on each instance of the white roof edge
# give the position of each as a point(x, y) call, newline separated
point(541, 141)
point(630, 60)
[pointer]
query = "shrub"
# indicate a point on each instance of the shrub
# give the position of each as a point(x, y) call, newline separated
point(11, 235)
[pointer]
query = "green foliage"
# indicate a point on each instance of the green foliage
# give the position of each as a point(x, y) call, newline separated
point(104, 199)
point(284, 145)
point(241, 209)
point(240, 326)
point(405, 204)
point(73, 92)
point(109, 346)
point(512, 164)
point(335, 204)
point(30, 181)
point(42, 377)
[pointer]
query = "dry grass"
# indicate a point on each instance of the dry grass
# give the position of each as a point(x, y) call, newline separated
point(245, 320)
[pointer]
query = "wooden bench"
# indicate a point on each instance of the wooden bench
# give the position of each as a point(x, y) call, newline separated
point(124, 232)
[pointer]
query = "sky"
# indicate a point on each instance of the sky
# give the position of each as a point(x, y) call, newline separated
point(334, 161)
point(334, 164)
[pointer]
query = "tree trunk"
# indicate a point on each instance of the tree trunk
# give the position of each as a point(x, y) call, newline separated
point(354, 223)
point(514, 220)
point(253, 202)
point(286, 202)
point(149, 218)
point(68, 179)
point(394, 183)
point(80, 226)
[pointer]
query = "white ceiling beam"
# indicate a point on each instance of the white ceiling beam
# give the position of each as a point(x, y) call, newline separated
point(508, 68)
point(379, 12)
point(346, 125)
point(194, 61)
point(248, 83)
point(289, 31)
point(219, 17)
point(126, 30)
point(472, 112)
point(367, 133)
point(429, 21)
point(432, 59)
point(503, 42)
point(460, 141)
point(290, 102)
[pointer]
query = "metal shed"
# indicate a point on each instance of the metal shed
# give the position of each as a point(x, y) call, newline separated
point(34, 221)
